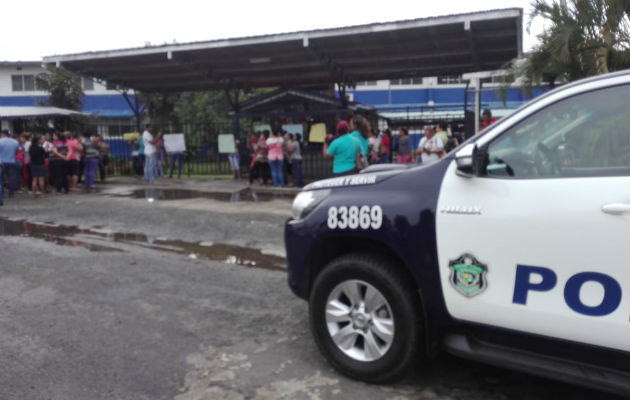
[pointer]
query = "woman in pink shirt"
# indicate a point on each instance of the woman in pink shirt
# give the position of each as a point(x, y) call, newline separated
point(276, 158)
point(74, 147)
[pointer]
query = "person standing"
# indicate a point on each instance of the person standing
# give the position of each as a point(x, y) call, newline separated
point(103, 160)
point(386, 145)
point(430, 147)
point(235, 161)
point(138, 168)
point(374, 146)
point(260, 167)
point(360, 128)
point(404, 147)
point(486, 119)
point(294, 149)
point(38, 166)
point(176, 158)
point(276, 158)
point(91, 154)
point(441, 133)
point(150, 152)
point(344, 150)
point(26, 166)
point(160, 155)
point(74, 147)
point(58, 163)
point(8, 163)
point(47, 146)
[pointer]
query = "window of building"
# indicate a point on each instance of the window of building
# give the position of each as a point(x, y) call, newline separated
point(24, 83)
point(17, 83)
point(404, 81)
point(87, 84)
point(29, 83)
point(450, 79)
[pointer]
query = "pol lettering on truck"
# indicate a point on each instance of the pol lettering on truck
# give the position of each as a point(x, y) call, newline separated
point(611, 289)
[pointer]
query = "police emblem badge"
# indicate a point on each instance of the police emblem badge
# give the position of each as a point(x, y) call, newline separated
point(468, 275)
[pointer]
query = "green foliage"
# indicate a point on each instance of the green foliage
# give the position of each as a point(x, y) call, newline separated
point(581, 38)
point(63, 87)
point(205, 108)
point(160, 108)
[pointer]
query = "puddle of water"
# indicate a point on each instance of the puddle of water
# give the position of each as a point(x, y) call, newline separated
point(58, 234)
point(64, 236)
point(245, 195)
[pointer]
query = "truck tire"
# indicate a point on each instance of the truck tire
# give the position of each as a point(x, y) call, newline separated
point(365, 318)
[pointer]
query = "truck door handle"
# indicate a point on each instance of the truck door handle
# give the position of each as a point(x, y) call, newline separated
point(616, 208)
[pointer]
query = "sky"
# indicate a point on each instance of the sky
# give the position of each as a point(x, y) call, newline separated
point(32, 29)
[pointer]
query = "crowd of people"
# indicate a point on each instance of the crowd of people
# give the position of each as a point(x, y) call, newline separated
point(56, 162)
point(275, 157)
point(50, 163)
point(355, 144)
point(148, 154)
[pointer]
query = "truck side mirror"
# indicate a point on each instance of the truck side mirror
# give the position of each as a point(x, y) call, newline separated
point(465, 159)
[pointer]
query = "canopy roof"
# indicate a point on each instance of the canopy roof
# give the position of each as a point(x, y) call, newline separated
point(445, 45)
point(31, 112)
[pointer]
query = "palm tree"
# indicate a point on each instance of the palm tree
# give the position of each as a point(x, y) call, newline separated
point(581, 38)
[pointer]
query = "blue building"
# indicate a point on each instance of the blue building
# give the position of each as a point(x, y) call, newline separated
point(19, 88)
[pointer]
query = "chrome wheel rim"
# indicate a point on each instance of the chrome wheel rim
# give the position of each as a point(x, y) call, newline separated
point(360, 320)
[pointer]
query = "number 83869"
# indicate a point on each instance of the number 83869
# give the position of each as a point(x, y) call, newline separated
point(355, 217)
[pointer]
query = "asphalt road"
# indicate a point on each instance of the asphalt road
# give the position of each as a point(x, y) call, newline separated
point(105, 300)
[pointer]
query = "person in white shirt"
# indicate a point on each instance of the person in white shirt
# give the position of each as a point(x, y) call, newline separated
point(430, 147)
point(150, 152)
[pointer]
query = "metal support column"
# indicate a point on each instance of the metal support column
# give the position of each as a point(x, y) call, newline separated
point(236, 107)
point(136, 108)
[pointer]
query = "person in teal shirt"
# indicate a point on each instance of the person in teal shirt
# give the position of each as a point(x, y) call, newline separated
point(360, 132)
point(344, 148)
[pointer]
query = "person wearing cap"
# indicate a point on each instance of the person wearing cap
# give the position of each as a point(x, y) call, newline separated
point(486, 119)
point(342, 149)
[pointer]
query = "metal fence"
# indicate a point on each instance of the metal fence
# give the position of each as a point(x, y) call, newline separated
point(202, 157)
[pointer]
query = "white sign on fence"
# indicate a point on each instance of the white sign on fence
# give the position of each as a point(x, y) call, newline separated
point(226, 143)
point(174, 143)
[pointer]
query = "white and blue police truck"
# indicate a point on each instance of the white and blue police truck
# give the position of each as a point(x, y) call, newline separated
point(513, 250)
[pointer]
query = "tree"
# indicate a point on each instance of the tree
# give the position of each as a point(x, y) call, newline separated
point(63, 87)
point(581, 38)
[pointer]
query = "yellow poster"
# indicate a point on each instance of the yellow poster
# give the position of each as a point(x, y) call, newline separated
point(317, 133)
point(131, 136)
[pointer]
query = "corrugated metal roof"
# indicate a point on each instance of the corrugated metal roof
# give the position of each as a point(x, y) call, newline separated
point(444, 45)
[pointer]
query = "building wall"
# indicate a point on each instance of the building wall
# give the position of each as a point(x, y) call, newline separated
point(98, 99)
point(7, 70)
point(386, 94)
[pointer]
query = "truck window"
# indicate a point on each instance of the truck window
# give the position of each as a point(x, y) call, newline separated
point(584, 135)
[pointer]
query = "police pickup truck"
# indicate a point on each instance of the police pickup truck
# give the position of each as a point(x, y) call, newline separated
point(513, 250)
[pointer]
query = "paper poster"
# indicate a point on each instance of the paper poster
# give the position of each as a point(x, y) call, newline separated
point(317, 133)
point(262, 127)
point(174, 143)
point(294, 128)
point(131, 136)
point(226, 143)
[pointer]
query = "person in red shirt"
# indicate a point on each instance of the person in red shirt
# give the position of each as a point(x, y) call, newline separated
point(384, 150)
point(486, 119)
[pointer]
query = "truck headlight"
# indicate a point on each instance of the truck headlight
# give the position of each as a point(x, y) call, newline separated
point(305, 202)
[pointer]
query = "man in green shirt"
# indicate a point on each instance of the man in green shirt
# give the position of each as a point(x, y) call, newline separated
point(441, 133)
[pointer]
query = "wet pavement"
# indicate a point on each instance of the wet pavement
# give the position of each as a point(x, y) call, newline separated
point(74, 236)
point(244, 195)
point(186, 302)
